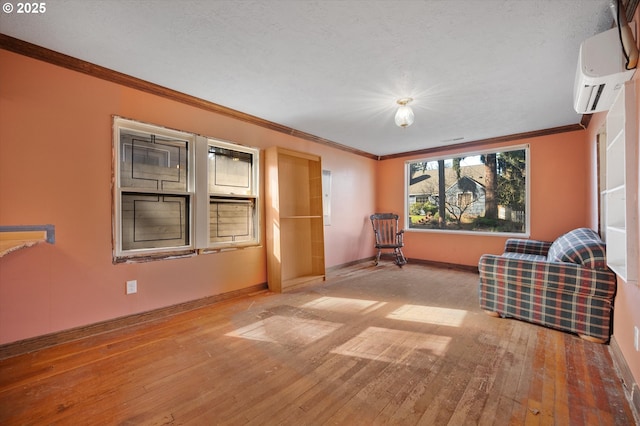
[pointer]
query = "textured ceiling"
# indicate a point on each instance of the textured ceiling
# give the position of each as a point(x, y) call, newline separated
point(334, 69)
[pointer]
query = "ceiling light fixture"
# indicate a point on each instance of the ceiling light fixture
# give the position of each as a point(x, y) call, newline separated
point(404, 115)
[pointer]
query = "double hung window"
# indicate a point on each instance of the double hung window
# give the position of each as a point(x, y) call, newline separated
point(178, 193)
point(154, 196)
point(232, 188)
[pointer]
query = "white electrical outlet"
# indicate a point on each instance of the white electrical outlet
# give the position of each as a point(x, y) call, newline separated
point(636, 338)
point(132, 286)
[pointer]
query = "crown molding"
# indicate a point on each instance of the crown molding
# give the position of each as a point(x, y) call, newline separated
point(59, 59)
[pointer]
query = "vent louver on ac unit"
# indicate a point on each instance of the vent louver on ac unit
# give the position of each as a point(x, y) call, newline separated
point(591, 95)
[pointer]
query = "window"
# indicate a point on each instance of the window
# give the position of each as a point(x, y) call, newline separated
point(232, 186)
point(154, 196)
point(163, 207)
point(475, 192)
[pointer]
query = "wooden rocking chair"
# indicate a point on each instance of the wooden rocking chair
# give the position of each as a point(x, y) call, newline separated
point(388, 236)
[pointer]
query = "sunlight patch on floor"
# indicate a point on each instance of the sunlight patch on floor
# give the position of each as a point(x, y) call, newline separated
point(395, 346)
point(343, 304)
point(429, 315)
point(286, 330)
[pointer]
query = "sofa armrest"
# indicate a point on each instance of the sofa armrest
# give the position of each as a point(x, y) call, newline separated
point(563, 277)
point(520, 245)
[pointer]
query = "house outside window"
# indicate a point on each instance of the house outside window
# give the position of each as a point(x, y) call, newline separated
point(479, 192)
point(177, 193)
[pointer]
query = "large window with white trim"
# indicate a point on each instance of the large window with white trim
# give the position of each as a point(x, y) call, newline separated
point(478, 192)
point(180, 193)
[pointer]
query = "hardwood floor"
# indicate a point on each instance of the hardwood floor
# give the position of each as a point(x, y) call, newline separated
point(370, 346)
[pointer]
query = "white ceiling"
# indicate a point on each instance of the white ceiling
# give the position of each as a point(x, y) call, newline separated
point(477, 69)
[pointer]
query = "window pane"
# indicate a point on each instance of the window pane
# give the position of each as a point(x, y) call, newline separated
point(231, 220)
point(484, 192)
point(229, 171)
point(152, 162)
point(154, 221)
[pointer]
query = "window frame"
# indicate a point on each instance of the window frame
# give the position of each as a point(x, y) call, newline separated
point(197, 193)
point(205, 196)
point(527, 210)
point(121, 125)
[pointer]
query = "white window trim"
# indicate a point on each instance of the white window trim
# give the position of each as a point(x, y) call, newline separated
point(203, 195)
point(197, 193)
point(119, 124)
point(525, 234)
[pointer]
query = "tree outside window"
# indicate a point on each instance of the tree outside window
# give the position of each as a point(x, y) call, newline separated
point(475, 192)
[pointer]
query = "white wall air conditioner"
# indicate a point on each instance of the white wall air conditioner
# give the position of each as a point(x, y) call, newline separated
point(601, 72)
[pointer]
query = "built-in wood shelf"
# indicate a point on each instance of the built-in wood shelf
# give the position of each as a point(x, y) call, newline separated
point(14, 238)
point(295, 230)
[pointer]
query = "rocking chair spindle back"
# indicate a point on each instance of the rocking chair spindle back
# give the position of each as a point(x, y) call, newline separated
point(388, 236)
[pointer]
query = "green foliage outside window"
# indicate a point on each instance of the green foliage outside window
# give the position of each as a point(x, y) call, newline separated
point(479, 192)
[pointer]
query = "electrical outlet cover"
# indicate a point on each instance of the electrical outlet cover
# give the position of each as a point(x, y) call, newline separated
point(132, 287)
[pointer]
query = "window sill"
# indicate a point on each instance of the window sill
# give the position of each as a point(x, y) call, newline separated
point(213, 250)
point(152, 257)
point(466, 233)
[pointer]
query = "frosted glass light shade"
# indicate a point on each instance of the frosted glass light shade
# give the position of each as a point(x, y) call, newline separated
point(404, 116)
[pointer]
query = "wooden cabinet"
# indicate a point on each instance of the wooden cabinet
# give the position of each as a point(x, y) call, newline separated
point(620, 195)
point(294, 220)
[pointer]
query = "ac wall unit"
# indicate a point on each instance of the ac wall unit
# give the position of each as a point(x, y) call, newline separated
point(601, 72)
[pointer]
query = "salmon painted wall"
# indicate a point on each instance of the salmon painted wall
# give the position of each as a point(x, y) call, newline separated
point(55, 167)
point(626, 314)
point(559, 184)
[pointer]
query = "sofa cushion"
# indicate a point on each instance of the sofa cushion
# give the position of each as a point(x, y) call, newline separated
point(582, 246)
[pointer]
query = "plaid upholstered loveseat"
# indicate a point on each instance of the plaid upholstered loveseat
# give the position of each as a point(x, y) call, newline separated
point(564, 285)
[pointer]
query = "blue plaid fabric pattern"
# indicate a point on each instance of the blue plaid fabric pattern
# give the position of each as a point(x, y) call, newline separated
point(522, 246)
point(526, 283)
point(582, 246)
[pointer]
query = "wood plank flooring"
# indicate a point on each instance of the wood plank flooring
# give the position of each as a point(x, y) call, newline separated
point(372, 345)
